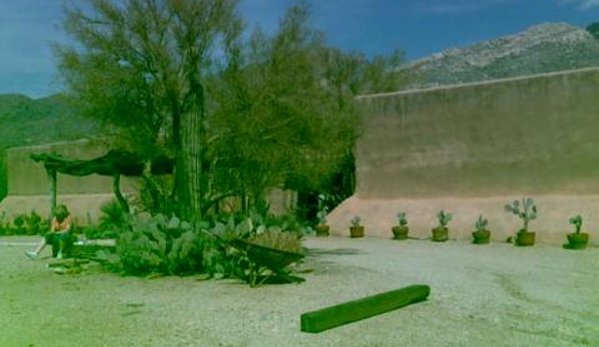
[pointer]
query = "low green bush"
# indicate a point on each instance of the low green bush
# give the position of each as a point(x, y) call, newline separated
point(169, 246)
point(24, 224)
point(157, 245)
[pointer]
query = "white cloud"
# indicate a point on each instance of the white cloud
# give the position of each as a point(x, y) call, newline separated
point(582, 4)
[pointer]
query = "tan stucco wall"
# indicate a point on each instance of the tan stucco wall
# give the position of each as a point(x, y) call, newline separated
point(28, 185)
point(26, 177)
point(535, 136)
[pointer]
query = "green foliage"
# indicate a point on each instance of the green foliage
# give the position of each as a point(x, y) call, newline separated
point(5, 228)
point(593, 28)
point(158, 245)
point(526, 212)
point(444, 219)
point(577, 222)
point(24, 224)
point(170, 246)
point(481, 223)
point(112, 221)
point(141, 66)
point(3, 180)
point(280, 109)
point(113, 218)
point(284, 112)
point(155, 195)
point(355, 222)
point(401, 219)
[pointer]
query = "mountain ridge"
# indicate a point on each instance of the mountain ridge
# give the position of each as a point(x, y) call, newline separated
point(543, 48)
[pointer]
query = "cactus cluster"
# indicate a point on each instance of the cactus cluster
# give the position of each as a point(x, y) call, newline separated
point(444, 218)
point(577, 222)
point(322, 210)
point(401, 219)
point(355, 222)
point(527, 211)
point(481, 223)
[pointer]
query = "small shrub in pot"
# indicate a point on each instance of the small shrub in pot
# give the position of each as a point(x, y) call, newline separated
point(526, 211)
point(400, 231)
point(356, 230)
point(482, 235)
point(441, 232)
point(577, 240)
point(322, 228)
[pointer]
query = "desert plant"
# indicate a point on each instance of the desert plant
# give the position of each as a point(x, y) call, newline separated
point(481, 223)
point(444, 219)
point(158, 245)
point(28, 224)
point(355, 222)
point(577, 239)
point(322, 217)
point(401, 219)
point(19, 223)
point(526, 212)
point(482, 235)
point(577, 222)
point(4, 225)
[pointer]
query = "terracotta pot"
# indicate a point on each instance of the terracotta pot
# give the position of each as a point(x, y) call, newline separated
point(577, 241)
point(322, 230)
point(525, 238)
point(440, 234)
point(400, 232)
point(355, 232)
point(481, 237)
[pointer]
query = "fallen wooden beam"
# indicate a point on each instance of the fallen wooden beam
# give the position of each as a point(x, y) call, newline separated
point(67, 262)
point(352, 311)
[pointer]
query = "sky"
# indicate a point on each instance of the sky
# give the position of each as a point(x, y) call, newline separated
point(418, 27)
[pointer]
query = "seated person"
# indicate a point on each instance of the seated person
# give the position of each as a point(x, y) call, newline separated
point(59, 233)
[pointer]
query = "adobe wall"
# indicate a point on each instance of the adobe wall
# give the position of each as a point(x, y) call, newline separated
point(448, 148)
point(26, 177)
point(28, 184)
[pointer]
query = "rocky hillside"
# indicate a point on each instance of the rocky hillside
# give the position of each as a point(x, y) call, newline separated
point(27, 122)
point(543, 48)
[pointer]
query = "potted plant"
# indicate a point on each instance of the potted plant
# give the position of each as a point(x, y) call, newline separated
point(356, 230)
point(526, 212)
point(322, 228)
point(441, 232)
point(482, 235)
point(400, 231)
point(577, 240)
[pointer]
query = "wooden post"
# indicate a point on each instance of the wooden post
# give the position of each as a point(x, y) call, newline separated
point(52, 178)
point(352, 311)
point(116, 186)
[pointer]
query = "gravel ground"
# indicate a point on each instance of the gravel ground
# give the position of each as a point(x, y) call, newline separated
point(494, 295)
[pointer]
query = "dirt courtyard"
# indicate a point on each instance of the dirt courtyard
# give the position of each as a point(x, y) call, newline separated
point(494, 295)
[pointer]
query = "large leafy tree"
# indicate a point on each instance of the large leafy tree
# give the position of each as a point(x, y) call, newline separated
point(274, 121)
point(285, 114)
point(142, 65)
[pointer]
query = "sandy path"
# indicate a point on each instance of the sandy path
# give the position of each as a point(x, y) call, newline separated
point(496, 295)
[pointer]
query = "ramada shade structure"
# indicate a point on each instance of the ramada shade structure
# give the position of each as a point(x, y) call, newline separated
point(114, 163)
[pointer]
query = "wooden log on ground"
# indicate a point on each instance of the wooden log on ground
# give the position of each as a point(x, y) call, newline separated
point(352, 311)
point(67, 262)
